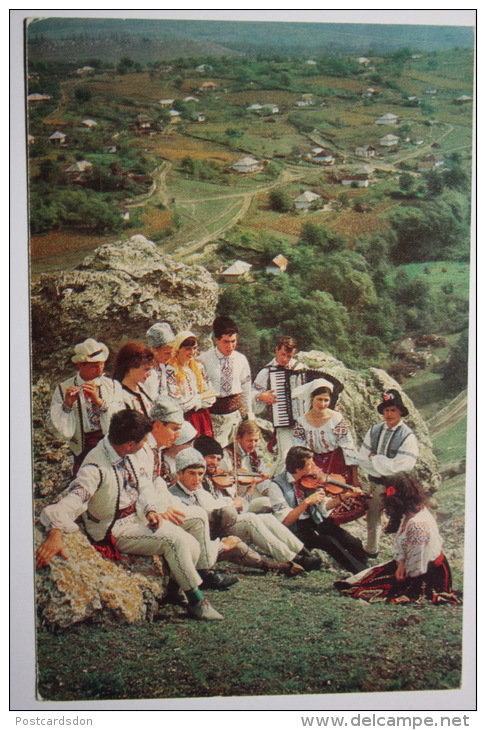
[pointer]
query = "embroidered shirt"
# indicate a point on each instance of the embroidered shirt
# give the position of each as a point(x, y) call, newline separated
point(187, 393)
point(323, 439)
point(417, 542)
point(229, 375)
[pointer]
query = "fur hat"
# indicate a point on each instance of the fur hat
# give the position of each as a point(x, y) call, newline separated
point(207, 446)
point(392, 398)
point(90, 351)
point(167, 409)
point(160, 334)
point(189, 457)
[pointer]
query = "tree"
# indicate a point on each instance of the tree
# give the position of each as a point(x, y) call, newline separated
point(280, 201)
point(405, 182)
point(434, 183)
point(82, 93)
point(455, 371)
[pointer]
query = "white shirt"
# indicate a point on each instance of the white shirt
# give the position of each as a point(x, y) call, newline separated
point(418, 542)
point(384, 466)
point(328, 437)
point(156, 383)
point(262, 381)
point(187, 393)
point(212, 360)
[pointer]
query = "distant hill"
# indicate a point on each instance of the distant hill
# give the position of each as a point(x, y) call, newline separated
point(84, 37)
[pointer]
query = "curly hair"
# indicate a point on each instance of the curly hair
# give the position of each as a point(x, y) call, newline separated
point(403, 494)
point(129, 356)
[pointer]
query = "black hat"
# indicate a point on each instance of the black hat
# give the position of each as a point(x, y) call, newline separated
point(392, 398)
point(207, 446)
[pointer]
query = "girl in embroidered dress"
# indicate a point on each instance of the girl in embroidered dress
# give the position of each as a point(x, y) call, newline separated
point(325, 432)
point(188, 383)
point(133, 365)
point(419, 571)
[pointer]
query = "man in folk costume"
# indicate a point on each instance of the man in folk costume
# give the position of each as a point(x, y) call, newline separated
point(167, 425)
point(119, 509)
point(82, 405)
point(308, 514)
point(241, 455)
point(388, 448)
point(160, 339)
point(262, 530)
point(264, 396)
point(230, 376)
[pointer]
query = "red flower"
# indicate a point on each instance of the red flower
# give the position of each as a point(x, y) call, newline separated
point(390, 491)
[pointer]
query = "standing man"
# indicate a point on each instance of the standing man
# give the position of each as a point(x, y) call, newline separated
point(230, 376)
point(160, 339)
point(388, 448)
point(82, 405)
point(119, 509)
point(264, 396)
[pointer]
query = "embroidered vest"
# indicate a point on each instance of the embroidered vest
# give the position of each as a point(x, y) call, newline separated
point(397, 439)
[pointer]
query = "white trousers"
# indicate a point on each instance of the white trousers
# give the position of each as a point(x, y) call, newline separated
point(268, 534)
point(284, 443)
point(180, 548)
point(373, 517)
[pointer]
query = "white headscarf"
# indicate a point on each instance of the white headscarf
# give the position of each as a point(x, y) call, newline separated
point(304, 392)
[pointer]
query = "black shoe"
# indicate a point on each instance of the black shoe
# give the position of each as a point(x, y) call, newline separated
point(308, 562)
point(217, 581)
point(370, 556)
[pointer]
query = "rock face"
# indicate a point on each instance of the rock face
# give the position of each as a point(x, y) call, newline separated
point(114, 296)
point(86, 586)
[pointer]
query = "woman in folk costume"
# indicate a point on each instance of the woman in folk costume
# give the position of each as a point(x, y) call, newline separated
point(419, 571)
point(133, 365)
point(188, 383)
point(325, 431)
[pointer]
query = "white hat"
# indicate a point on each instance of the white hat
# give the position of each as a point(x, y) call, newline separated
point(167, 409)
point(189, 457)
point(159, 334)
point(304, 392)
point(90, 351)
point(188, 433)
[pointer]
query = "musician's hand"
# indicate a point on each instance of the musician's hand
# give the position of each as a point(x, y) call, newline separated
point(230, 542)
point(72, 394)
point(173, 515)
point(238, 503)
point(154, 520)
point(400, 571)
point(268, 397)
point(316, 497)
point(91, 392)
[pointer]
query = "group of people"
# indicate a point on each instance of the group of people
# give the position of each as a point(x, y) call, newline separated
point(167, 461)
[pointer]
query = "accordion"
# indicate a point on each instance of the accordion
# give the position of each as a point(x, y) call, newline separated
point(285, 411)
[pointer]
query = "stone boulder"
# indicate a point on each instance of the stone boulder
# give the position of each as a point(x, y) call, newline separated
point(88, 587)
point(114, 296)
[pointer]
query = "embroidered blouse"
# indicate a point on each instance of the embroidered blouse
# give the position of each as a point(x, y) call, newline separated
point(187, 394)
point(323, 439)
point(417, 542)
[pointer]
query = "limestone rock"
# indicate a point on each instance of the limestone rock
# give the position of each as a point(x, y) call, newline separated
point(361, 394)
point(115, 295)
point(87, 586)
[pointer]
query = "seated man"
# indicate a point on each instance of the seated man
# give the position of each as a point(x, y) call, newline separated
point(389, 447)
point(242, 455)
point(118, 507)
point(307, 514)
point(159, 338)
point(263, 396)
point(185, 439)
point(167, 425)
point(82, 405)
point(263, 530)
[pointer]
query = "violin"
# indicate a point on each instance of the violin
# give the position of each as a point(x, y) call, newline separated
point(333, 484)
point(351, 507)
point(224, 479)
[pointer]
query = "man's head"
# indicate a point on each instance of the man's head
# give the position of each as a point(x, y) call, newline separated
point(160, 338)
point(225, 333)
point(190, 467)
point(299, 461)
point(211, 451)
point(392, 408)
point(285, 350)
point(128, 431)
point(90, 357)
point(167, 421)
point(248, 436)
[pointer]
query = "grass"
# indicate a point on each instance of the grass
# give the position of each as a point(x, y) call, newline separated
point(451, 446)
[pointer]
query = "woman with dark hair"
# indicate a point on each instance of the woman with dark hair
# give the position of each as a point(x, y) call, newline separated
point(325, 431)
point(188, 383)
point(419, 571)
point(133, 365)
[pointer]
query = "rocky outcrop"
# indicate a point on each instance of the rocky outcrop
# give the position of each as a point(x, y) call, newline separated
point(88, 587)
point(114, 296)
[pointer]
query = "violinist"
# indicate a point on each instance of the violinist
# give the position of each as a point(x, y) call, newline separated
point(307, 513)
point(262, 530)
point(241, 458)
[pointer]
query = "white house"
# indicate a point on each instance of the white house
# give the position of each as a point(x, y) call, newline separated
point(254, 108)
point(304, 201)
point(58, 138)
point(85, 70)
point(208, 86)
point(359, 181)
point(240, 269)
point(304, 102)
point(90, 123)
point(389, 140)
point(270, 108)
point(190, 98)
point(364, 170)
point(463, 99)
point(323, 157)
point(364, 61)
point(166, 102)
point(175, 116)
point(77, 172)
point(387, 119)
point(365, 151)
point(310, 62)
point(38, 97)
point(246, 165)
point(280, 264)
